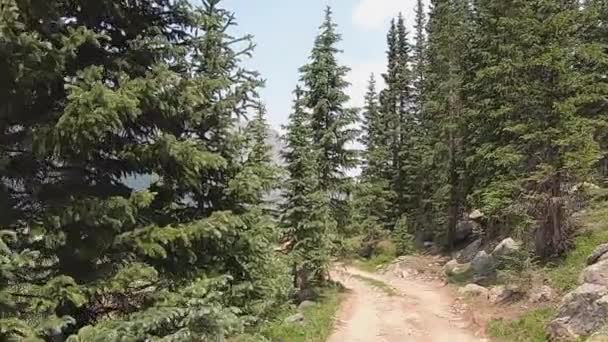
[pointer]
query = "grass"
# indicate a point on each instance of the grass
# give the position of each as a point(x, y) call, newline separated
point(528, 328)
point(318, 324)
point(564, 275)
point(384, 287)
point(372, 264)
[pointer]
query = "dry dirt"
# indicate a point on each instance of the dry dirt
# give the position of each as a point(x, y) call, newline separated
point(421, 311)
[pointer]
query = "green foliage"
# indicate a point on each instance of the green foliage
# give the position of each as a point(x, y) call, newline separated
point(528, 328)
point(565, 273)
point(318, 324)
point(402, 238)
point(129, 90)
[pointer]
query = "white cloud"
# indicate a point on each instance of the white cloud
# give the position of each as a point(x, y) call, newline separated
point(358, 78)
point(373, 14)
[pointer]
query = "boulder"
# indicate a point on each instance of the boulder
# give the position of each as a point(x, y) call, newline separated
point(476, 214)
point(542, 294)
point(456, 272)
point(469, 253)
point(596, 274)
point(464, 230)
point(295, 319)
point(499, 294)
point(581, 313)
point(474, 290)
point(506, 247)
point(598, 254)
point(306, 304)
point(483, 267)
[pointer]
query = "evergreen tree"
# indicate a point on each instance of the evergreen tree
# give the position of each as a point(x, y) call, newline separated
point(535, 88)
point(373, 195)
point(306, 215)
point(444, 114)
point(121, 90)
point(332, 122)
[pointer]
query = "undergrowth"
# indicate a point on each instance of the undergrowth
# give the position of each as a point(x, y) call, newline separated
point(384, 287)
point(317, 326)
point(564, 274)
point(528, 328)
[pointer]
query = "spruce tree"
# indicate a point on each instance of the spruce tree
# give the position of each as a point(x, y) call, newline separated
point(534, 87)
point(444, 122)
point(332, 121)
point(139, 89)
point(306, 214)
point(373, 196)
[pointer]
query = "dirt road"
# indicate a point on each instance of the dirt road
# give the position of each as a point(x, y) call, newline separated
point(420, 311)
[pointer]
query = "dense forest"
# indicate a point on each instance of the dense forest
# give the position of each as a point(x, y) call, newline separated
point(493, 106)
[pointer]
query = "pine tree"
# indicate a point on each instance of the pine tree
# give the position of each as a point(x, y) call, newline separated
point(535, 88)
point(373, 197)
point(306, 215)
point(332, 122)
point(419, 59)
point(444, 114)
point(121, 90)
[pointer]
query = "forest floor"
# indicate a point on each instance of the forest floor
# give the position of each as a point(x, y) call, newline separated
point(392, 308)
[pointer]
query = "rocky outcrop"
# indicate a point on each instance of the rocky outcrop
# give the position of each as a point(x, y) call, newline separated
point(506, 248)
point(599, 254)
point(500, 294)
point(542, 294)
point(584, 311)
point(474, 290)
point(456, 272)
point(465, 229)
point(469, 253)
point(596, 274)
point(484, 269)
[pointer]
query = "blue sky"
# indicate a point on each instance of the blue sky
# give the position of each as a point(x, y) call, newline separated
point(284, 31)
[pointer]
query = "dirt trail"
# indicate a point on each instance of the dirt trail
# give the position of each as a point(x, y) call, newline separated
point(421, 312)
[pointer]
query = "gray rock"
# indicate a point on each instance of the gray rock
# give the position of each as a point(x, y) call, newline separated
point(599, 253)
point(474, 290)
point(542, 294)
point(469, 253)
point(499, 294)
point(306, 304)
point(581, 313)
point(507, 247)
point(596, 274)
point(476, 214)
point(295, 319)
point(483, 266)
point(450, 266)
point(465, 229)
point(458, 272)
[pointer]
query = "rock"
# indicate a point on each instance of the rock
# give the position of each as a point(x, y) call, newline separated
point(599, 253)
point(464, 230)
point(450, 266)
point(458, 272)
point(295, 319)
point(499, 294)
point(469, 253)
point(542, 294)
point(476, 215)
point(598, 337)
point(581, 313)
point(507, 247)
point(596, 274)
point(306, 304)
point(483, 267)
point(474, 290)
